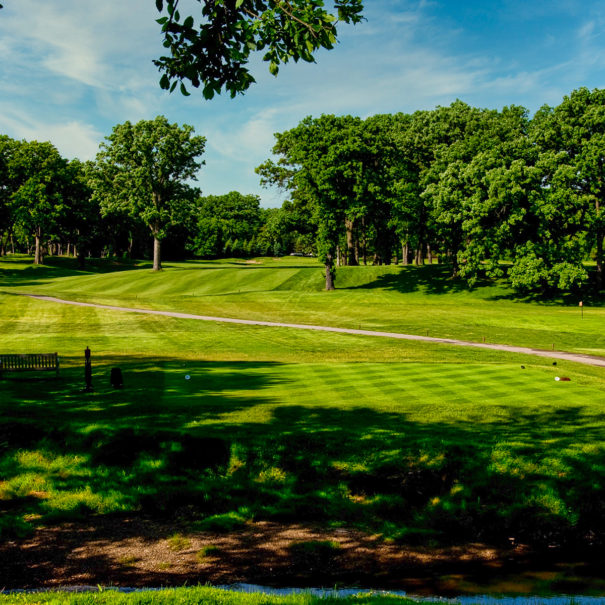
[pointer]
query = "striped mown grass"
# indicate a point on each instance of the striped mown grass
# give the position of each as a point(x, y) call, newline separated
point(414, 300)
point(415, 441)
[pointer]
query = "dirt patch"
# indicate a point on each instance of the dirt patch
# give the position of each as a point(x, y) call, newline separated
point(136, 551)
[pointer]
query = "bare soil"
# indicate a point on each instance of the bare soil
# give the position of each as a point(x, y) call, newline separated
point(134, 551)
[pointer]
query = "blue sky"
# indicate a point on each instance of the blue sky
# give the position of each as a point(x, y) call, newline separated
point(72, 69)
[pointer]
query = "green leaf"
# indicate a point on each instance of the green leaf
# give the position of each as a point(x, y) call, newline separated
point(164, 82)
point(188, 23)
point(159, 4)
point(238, 3)
point(273, 68)
point(184, 91)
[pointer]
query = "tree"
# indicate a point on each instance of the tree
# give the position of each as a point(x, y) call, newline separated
point(214, 53)
point(7, 148)
point(80, 223)
point(316, 161)
point(39, 175)
point(141, 171)
point(571, 138)
point(337, 164)
point(232, 216)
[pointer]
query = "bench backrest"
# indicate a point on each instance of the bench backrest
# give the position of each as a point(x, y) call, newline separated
point(29, 361)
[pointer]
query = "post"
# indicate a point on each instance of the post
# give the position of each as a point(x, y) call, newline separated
point(582, 309)
point(87, 370)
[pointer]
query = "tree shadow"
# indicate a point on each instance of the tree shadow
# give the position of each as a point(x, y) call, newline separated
point(59, 266)
point(430, 279)
point(164, 441)
point(170, 448)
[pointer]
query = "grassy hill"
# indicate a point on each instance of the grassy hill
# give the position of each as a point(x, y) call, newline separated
point(414, 300)
point(419, 443)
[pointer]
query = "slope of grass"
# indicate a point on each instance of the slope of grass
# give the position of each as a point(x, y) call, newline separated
point(414, 300)
point(417, 442)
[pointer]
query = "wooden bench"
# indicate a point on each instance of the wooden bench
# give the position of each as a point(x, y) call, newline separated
point(29, 362)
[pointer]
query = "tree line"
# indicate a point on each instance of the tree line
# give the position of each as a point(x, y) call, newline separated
point(493, 193)
point(134, 200)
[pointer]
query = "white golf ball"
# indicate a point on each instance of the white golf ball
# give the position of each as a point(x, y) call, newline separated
point(557, 378)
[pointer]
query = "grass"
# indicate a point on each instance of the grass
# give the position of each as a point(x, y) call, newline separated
point(177, 542)
point(417, 442)
point(415, 300)
point(191, 596)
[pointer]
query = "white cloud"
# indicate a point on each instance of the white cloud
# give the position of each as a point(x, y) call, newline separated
point(73, 139)
point(91, 43)
point(586, 31)
point(240, 141)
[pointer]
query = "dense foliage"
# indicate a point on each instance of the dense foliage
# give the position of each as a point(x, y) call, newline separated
point(214, 51)
point(142, 171)
point(492, 193)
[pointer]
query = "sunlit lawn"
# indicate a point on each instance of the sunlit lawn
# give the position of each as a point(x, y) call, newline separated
point(415, 300)
point(415, 441)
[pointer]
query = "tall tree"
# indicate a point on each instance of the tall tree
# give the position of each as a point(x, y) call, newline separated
point(214, 52)
point(329, 160)
point(571, 138)
point(40, 176)
point(7, 148)
point(141, 171)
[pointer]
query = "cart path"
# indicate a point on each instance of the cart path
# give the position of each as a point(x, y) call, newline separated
point(592, 360)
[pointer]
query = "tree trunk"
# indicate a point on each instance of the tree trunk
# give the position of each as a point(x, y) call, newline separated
point(429, 254)
point(455, 265)
point(364, 244)
point(157, 263)
point(38, 256)
point(418, 256)
point(351, 256)
point(599, 253)
point(329, 273)
point(404, 254)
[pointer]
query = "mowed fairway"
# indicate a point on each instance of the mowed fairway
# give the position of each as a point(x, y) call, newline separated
point(412, 300)
point(414, 441)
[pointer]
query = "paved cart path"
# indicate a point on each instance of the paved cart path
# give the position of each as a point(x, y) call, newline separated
point(591, 360)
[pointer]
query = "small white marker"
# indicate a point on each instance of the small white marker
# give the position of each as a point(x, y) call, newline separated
point(187, 377)
point(557, 378)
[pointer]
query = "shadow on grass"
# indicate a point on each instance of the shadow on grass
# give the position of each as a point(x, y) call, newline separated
point(430, 279)
point(165, 444)
point(57, 266)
